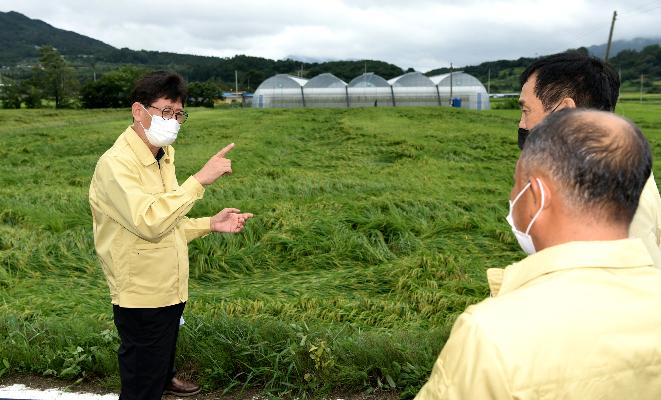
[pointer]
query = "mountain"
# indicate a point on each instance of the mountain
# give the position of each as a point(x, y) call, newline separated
point(21, 36)
point(309, 60)
point(617, 46)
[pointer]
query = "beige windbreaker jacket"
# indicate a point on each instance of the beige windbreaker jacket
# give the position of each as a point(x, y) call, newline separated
point(646, 223)
point(581, 320)
point(141, 231)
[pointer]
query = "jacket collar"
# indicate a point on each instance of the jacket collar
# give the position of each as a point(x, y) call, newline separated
point(625, 253)
point(141, 150)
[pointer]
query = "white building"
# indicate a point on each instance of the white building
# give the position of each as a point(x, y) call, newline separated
point(467, 88)
point(370, 90)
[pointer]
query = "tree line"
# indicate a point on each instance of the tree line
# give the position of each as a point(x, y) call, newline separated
point(503, 75)
point(54, 81)
point(94, 83)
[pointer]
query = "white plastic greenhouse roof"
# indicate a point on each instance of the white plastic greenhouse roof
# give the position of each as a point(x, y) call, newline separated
point(459, 78)
point(369, 79)
point(301, 81)
point(370, 90)
point(325, 80)
point(411, 79)
point(282, 81)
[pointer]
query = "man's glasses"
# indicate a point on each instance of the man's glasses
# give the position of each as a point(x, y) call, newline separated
point(168, 113)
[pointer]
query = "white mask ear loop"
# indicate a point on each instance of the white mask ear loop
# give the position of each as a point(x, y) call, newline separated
point(513, 202)
point(140, 122)
point(541, 187)
point(147, 111)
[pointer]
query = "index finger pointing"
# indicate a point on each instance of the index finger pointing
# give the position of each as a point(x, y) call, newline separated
point(225, 150)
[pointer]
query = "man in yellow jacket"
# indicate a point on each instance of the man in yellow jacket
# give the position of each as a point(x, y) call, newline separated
point(579, 317)
point(141, 234)
point(570, 80)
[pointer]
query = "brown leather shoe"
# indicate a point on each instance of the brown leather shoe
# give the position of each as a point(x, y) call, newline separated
point(181, 388)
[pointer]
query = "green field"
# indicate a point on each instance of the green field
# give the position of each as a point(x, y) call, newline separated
point(645, 99)
point(373, 230)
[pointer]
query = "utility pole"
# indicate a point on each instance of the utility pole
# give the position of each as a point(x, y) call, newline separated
point(451, 84)
point(641, 88)
point(93, 65)
point(610, 36)
point(489, 82)
point(236, 81)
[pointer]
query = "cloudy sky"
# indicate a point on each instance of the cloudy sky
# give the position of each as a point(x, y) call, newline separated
point(414, 33)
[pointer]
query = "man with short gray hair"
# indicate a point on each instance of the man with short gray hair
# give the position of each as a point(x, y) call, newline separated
point(578, 318)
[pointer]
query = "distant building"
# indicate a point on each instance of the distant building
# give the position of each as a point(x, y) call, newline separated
point(242, 98)
point(468, 89)
point(280, 91)
point(504, 95)
point(370, 90)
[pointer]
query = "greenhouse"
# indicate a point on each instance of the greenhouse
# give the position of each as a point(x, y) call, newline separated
point(459, 85)
point(370, 90)
point(415, 89)
point(280, 91)
point(326, 91)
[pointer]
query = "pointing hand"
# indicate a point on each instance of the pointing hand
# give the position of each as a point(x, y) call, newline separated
point(216, 167)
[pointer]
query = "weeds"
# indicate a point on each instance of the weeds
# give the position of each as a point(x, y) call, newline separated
point(373, 231)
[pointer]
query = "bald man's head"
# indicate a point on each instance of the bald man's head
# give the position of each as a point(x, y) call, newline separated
point(601, 161)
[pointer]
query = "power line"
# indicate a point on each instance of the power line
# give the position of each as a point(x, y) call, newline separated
point(600, 28)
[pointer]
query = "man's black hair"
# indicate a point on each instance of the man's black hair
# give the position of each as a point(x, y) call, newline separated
point(600, 160)
point(159, 84)
point(589, 81)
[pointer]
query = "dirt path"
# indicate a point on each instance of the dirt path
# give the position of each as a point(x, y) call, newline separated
point(41, 388)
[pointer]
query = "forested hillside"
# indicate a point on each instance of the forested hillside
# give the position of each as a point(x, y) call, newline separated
point(503, 75)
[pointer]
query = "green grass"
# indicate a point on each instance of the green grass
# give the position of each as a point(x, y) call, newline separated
point(647, 98)
point(373, 230)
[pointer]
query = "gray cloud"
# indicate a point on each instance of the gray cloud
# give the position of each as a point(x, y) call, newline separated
point(422, 34)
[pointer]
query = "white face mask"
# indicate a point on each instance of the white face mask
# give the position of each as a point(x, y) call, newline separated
point(524, 239)
point(161, 132)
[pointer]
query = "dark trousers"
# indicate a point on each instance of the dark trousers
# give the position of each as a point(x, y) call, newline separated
point(146, 353)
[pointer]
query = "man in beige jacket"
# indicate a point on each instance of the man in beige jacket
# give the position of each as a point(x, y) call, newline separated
point(141, 234)
point(578, 318)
